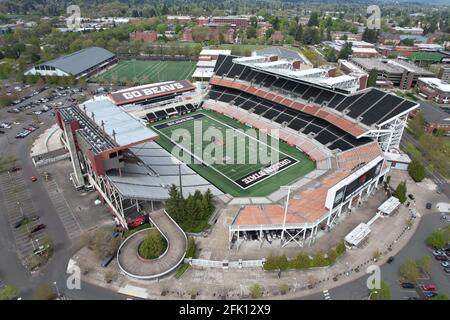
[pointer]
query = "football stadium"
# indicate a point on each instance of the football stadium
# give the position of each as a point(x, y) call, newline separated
point(290, 150)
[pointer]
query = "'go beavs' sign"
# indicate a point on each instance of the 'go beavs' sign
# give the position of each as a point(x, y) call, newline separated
point(150, 91)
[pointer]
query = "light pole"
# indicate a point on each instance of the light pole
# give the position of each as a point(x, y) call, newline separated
point(57, 290)
point(370, 295)
point(285, 210)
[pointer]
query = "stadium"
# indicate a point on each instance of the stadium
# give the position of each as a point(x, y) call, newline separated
point(133, 144)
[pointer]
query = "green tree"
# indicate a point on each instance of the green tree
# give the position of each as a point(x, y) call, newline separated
point(384, 293)
point(8, 292)
point(416, 170)
point(409, 270)
point(313, 19)
point(436, 239)
point(372, 79)
point(416, 125)
point(346, 51)
point(153, 245)
point(424, 264)
point(400, 192)
point(250, 32)
point(330, 55)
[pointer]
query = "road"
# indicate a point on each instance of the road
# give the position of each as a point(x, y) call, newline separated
point(416, 248)
point(437, 178)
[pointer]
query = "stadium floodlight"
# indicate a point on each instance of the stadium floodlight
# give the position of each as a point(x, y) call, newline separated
point(286, 207)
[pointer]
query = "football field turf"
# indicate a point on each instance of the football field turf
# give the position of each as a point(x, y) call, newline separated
point(148, 71)
point(235, 158)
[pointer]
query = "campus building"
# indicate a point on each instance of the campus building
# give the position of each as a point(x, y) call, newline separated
point(396, 72)
point(83, 63)
point(434, 89)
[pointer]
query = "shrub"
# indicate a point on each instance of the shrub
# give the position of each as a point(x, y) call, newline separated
point(108, 276)
point(44, 292)
point(191, 249)
point(153, 245)
point(181, 270)
point(319, 260)
point(284, 288)
point(332, 256)
point(340, 248)
point(301, 261)
point(8, 292)
point(256, 291)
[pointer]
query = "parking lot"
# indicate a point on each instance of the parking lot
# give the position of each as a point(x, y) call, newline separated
point(63, 210)
point(18, 204)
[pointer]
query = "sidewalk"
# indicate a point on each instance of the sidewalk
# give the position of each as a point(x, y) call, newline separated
point(389, 235)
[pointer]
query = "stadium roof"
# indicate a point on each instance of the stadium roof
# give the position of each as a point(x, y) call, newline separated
point(120, 126)
point(151, 178)
point(282, 53)
point(78, 62)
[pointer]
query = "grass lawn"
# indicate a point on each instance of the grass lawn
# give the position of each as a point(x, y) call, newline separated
point(236, 170)
point(147, 71)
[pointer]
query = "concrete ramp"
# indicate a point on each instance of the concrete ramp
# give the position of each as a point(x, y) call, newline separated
point(136, 267)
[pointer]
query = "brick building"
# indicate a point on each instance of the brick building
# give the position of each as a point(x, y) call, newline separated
point(144, 36)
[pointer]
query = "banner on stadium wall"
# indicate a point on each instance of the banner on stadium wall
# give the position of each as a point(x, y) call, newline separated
point(151, 91)
point(351, 185)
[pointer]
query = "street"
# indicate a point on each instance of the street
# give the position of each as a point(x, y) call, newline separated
point(416, 248)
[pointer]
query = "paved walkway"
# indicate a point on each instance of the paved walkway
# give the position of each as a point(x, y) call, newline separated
point(136, 267)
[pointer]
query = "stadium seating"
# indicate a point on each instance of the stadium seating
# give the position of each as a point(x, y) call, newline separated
point(323, 131)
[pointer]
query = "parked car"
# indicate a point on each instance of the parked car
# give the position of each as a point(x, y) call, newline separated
point(38, 227)
point(15, 169)
point(408, 285)
point(438, 253)
point(390, 259)
point(430, 294)
point(445, 264)
point(447, 270)
point(428, 287)
point(441, 258)
point(136, 222)
point(428, 206)
point(2, 132)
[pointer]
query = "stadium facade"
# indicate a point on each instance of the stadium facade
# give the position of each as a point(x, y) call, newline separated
point(345, 131)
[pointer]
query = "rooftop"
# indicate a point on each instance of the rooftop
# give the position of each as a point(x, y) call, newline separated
point(433, 113)
point(78, 62)
point(120, 126)
point(437, 83)
point(283, 53)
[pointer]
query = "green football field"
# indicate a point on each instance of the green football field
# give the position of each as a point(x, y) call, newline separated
point(232, 156)
point(147, 71)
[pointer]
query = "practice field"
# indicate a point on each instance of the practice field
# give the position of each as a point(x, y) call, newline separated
point(235, 158)
point(147, 71)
